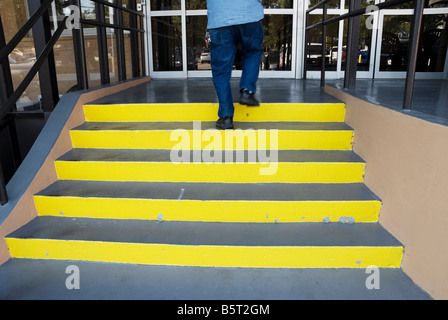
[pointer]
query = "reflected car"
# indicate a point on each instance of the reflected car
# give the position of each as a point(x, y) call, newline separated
point(205, 56)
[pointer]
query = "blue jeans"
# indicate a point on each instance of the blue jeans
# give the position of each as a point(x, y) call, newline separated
point(224, 42)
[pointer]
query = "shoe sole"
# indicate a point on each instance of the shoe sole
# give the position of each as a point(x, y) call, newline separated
point(221, 128)
point(249, 104)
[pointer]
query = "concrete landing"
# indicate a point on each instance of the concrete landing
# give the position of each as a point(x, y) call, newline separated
point(39, 279)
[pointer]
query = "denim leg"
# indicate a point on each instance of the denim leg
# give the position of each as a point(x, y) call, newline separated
point(223, 50)
point(251, 38)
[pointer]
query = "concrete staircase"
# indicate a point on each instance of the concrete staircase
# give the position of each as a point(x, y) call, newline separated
point(121, 198)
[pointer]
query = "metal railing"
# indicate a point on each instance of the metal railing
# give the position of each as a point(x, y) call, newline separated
point(39, 23)
point(353, 16)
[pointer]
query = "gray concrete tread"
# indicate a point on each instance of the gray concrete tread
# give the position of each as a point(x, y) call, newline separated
point(164, 155)
point(207, 233)
point(136, 126)
point(211, 191)
point(45, 280)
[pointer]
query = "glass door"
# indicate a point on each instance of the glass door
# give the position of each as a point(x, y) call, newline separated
point(178, 39)
point(336, 41)
point(394, 32)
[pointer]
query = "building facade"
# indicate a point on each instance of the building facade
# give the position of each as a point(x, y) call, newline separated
point(178, 40)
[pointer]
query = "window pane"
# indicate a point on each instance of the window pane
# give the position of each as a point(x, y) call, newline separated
point(364, 3)
point(64, 57)
point(92, 58)
point(334, 4)
point(278, 4)
point(433, 44)
point(112, 55)
point(196, 4)
point(167, 43)
point(364, 46)
point(165, 4)
point(277, 43)
point(88, 10)
point(198, 52)
point(428, 4)
point(394, 43)
point(314, 45)
point(14, 15)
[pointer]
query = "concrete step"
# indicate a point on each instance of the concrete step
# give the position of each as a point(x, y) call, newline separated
point(292, 166)
point(233, 202)
point(198, 135)
point(211, 244)
point(314, 112)
point(46, 280)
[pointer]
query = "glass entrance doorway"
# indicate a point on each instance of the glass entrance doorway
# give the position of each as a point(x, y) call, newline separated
point(178, 40)
point(383, 42)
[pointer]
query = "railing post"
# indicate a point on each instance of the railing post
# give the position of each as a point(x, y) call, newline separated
point(47, 73)
point(6, 86)
point(142, 47)
point(3, 194)
point(102, 44)
point(351, 62)
point(324, 45)
point(413, 53)
point(121, 59)
point(80, 53)
point(134, 40)
point(305, 56)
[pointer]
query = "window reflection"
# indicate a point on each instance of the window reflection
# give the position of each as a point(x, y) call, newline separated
point(167, 43)
point(196, 4)
point(364, 45)
point(432, 48)
point(314, 45)
point(198, 39)
point(277, 4)
point(433, 44)
point(277, 43)
point(165, 4)
point(334, 4)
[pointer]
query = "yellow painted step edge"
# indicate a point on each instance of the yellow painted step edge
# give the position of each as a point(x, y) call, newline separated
point(208, 255)
point(213, 139)
point(210, 210)
point(298, 172)
point(307, 112)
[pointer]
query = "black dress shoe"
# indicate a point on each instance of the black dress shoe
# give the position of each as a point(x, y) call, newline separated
point(247, 98)
point(225, 123)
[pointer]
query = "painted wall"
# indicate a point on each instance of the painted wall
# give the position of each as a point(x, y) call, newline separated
point(407, 167)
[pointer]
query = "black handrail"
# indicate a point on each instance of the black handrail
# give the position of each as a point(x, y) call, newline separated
point(79, 54)
point(24, 30)
point(108, 25)
point(413, 44)
point(115, 6)
point(33, 71)
point(354, 13)
point(3, 193)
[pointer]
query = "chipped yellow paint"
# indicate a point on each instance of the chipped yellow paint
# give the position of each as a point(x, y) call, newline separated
point(292, 172)
point(210, 210)
point(208, 255)
point(307, 112)
point(213, 139)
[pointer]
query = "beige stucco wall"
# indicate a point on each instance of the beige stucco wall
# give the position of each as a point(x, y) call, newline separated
point(407, 167)
point(25, 209)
